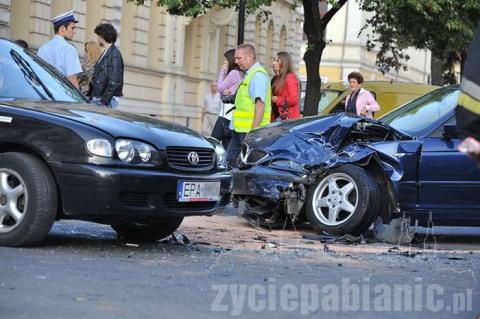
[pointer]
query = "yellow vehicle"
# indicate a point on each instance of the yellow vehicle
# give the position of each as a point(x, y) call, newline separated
point(389, 95)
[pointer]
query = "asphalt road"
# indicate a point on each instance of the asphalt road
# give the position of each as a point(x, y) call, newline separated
point(230, 269)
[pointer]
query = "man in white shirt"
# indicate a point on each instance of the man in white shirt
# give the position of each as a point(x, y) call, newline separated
point(211, 109)
point(58, 52)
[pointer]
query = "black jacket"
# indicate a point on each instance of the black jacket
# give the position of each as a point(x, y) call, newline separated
point(107, 78)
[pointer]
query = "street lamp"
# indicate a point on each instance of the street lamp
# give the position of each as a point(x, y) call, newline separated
point(241, 21)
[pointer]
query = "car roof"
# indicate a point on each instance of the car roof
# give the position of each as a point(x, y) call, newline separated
point(381, 85)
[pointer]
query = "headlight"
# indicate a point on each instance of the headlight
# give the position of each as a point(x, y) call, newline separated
point(130, 151)
point(100, 147)
point(125, 150)
point(288, 165)
point(221, 156)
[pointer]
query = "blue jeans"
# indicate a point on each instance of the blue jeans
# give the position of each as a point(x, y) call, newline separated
point(234, 148)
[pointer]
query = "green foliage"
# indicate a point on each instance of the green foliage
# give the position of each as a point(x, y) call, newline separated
point(193, 8)
point(445, 27)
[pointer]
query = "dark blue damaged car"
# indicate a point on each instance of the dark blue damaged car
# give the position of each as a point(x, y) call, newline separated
point(340, 171)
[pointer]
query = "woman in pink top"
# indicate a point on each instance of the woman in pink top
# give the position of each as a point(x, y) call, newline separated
point(360, 101)
point(229, 78)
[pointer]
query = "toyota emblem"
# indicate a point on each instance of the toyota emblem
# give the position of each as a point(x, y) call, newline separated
point(193, 158)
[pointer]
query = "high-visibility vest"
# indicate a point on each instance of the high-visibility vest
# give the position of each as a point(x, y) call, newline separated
point(245, 105)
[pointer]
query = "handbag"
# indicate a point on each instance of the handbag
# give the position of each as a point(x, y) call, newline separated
point(284, 114)
point(221, 129)
point(229, 99)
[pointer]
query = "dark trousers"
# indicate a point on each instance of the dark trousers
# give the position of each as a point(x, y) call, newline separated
point(234, 148)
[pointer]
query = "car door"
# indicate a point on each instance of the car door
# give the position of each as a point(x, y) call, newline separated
point(449, 181)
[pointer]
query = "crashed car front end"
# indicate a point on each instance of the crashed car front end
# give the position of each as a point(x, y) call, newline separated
point(281, 162)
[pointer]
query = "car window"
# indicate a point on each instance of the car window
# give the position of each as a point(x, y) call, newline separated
point(24, 76)
point(416, 117)
point(438, 133)
point(327, 97)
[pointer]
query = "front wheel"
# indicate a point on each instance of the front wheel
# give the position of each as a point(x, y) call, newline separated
point(346, 201)
point(148, 231)
point(28, 200)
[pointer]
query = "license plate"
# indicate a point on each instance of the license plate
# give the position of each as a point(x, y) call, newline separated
point(194, 191)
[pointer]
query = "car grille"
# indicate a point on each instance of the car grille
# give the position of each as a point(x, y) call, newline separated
point(170, 201)
point(178, 158)
point(136, 199)
point(252, 155)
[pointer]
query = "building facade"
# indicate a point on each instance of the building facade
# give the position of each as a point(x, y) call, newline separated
point(169, 60)
point(346, 52)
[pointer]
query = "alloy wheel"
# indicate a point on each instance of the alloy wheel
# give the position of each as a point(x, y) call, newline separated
point(335, 199)
point(13, 200)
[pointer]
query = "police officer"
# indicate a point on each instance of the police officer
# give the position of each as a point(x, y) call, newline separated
point(468, 109)
point(58, 52)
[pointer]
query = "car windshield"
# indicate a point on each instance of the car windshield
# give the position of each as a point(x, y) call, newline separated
point(416, 117)
point(327, 96)
point(24, 76)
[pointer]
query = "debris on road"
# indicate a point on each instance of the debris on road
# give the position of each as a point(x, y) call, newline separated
point(345, 239)
point(176, 239)
point(399, 231)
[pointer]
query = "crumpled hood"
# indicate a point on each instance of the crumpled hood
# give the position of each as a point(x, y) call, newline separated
point(120, 124)
point(318, 140)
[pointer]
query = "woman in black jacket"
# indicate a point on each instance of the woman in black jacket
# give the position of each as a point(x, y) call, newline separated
point(107, 79)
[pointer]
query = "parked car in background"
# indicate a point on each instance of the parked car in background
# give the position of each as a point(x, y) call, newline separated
point(389, 95)
point(341, 171)
point(61, 158)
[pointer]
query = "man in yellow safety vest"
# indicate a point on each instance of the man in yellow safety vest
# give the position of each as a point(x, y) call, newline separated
point(252, 100)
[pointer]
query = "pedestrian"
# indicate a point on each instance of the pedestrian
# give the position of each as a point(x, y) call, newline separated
point(285, 89)
point(106, 86)
point(58, 52)
point(93, 51)
point(360, 101)
point(211, 108)
point(229, 78)
point(252, 100)
point(468, 109)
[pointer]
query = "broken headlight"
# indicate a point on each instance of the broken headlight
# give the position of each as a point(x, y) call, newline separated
point(251, 156)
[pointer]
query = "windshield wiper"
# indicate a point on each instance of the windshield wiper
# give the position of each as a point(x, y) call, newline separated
point(29, 73)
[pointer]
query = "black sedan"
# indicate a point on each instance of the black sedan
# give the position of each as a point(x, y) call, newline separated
point(63, 158)
point(342, 171)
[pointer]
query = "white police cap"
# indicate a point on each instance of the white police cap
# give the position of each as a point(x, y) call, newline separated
point(63, 18)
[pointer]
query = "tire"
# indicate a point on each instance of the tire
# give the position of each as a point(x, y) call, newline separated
point(148, 232)
point(27, 191)
point(343, 209)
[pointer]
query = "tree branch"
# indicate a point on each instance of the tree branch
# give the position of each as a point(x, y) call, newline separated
point(331, 13)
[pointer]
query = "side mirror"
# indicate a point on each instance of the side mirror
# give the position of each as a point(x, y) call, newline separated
point(450, 131)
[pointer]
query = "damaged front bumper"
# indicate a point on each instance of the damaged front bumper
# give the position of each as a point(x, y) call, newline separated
point(263, 193)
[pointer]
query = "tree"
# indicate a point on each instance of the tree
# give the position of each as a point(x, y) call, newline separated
point(194, 8)
point(315, 26)
point(445, 27)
